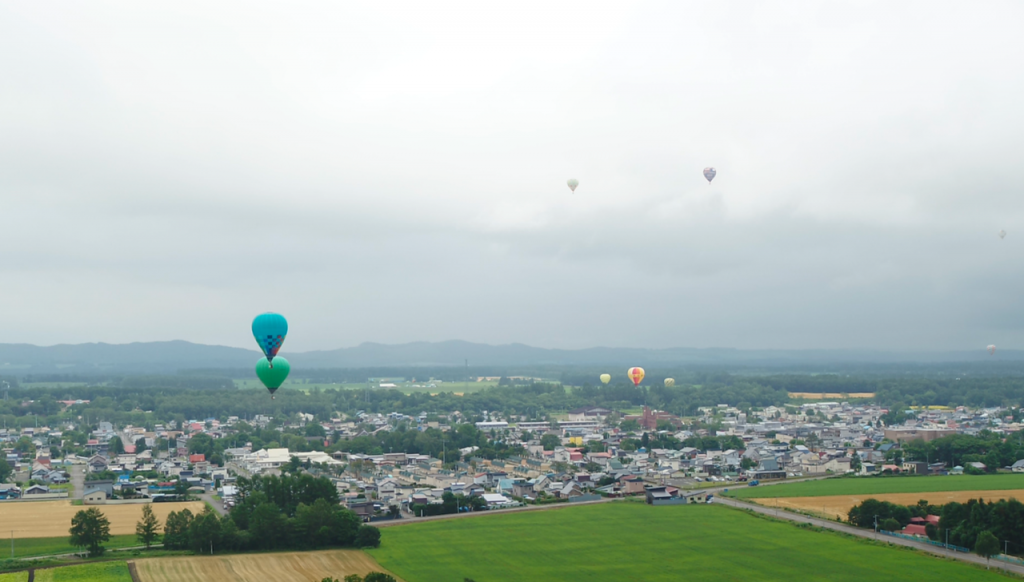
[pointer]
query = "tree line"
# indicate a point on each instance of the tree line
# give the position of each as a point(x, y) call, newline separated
point(145, 400)
point(273, 513)
point(960, 524)
point(987, 447)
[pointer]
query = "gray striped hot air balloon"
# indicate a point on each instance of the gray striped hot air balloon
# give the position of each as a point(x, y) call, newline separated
point(1002, 234)
point(709, 173)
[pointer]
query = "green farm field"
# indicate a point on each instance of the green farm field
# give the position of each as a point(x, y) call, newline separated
point(879, 485)
point(618, 542)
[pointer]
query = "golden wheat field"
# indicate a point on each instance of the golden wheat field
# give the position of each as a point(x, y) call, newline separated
point(830, 395)
point(279, 567)
point(839, 505)
point(50, 519)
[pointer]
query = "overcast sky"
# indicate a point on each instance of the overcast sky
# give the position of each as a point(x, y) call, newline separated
point(396, 172)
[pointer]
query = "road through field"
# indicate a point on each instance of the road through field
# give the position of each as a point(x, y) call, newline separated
point(849, 529)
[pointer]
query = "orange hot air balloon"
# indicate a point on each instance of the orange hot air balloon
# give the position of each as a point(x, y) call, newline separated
point(636, 375)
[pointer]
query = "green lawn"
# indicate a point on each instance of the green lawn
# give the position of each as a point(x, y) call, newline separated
point(97, 572)
point(871, 485)
point(24, 547)
point(14, 577)
point(619, 542)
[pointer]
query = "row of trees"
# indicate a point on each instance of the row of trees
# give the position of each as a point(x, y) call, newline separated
point(961, 524)
point(988, 448)
point(273, 513)
point(450, 503)
point(190, 396)
point(371, 577)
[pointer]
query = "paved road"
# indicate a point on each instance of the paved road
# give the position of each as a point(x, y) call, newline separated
point(410, 520)
point(864, 533)
point(78, 480)
point(713, 488)
point(216, 504)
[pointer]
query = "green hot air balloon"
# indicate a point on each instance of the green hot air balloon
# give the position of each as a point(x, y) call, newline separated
point(273, 377)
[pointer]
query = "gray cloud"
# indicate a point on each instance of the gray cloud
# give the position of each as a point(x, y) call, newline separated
point(398, 175)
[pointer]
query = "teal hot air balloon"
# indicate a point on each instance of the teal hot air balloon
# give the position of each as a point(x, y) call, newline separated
point(273, 376)
point(270, 329)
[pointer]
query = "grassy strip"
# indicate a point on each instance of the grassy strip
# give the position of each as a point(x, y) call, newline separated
point(94, 572)
point(879, 485)
point(30, 547)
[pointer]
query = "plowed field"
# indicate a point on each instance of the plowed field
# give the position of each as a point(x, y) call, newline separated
point(279, 567)
point(50, 519)
point(839, 505)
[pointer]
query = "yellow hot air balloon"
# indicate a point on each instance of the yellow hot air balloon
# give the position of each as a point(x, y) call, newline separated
point(669, 382)
point(606, 378)
point(636, 375)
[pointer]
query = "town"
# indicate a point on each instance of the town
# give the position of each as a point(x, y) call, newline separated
point(498, 461)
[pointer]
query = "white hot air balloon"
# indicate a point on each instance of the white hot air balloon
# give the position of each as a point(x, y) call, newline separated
point(710, 173)
point(1002, 234)
point(991, 349)
point(573, 182)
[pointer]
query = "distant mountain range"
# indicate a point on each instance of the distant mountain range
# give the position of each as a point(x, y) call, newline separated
point(169, 357)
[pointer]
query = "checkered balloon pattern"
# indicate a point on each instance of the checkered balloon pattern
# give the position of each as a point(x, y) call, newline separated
point(271, 344)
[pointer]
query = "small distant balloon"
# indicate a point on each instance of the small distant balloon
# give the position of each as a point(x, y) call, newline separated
point(636, 375)
point(991, 349)
point(709, 173)
point(670, 382)
point(273, 376)
point(573, 182)
point(1002, 234)
point(606, 378)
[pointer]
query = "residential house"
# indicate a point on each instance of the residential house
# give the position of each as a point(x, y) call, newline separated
point(9, 491)
point(94, 495)
point(106, 486)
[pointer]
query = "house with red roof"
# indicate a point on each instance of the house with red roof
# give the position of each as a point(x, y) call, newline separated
point(914, 529)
